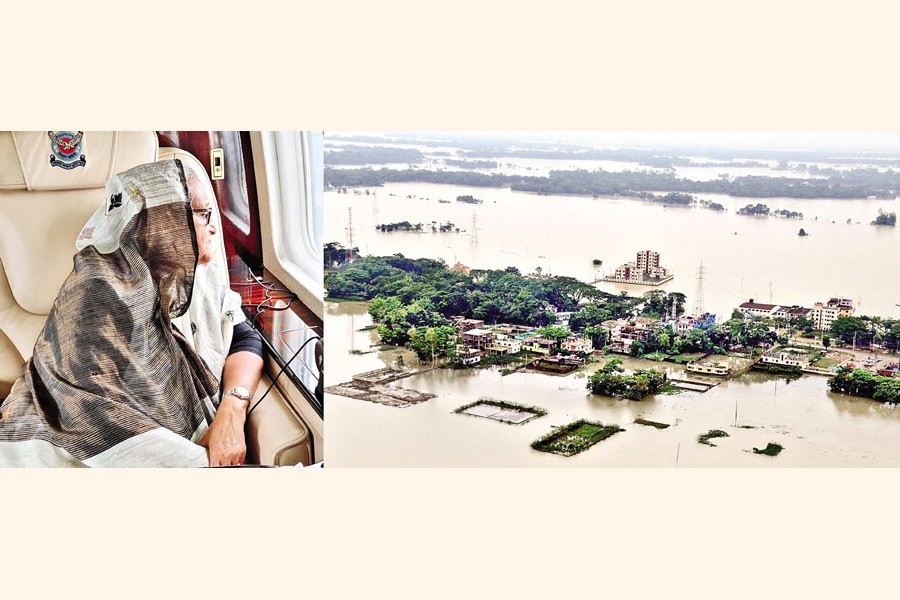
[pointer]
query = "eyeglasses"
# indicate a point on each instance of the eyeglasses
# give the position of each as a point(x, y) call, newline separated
point(206, 213)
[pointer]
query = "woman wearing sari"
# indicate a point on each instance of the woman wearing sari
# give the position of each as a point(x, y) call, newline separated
point(128, 367)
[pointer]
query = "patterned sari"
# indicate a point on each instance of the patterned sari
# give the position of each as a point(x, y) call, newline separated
point(111, 381)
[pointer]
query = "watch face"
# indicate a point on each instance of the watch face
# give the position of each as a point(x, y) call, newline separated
point(241, 392)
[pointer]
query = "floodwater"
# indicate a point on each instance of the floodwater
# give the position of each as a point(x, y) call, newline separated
point(815, 427)
point(744, 257)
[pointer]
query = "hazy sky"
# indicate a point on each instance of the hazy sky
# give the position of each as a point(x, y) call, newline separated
point(780, 140)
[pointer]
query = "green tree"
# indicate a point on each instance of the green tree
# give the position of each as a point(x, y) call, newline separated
point(599, 335)
point(611, 380)
point(803, 324)
point(433, 342)
point(885, 218)
point(848, 328)
point(553, 332)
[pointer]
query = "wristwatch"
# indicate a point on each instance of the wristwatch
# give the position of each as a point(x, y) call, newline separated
point(241, 393)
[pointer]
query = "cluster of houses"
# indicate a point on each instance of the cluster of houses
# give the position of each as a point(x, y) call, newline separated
point(477, 340)
point(822, 314)
point(624, 332)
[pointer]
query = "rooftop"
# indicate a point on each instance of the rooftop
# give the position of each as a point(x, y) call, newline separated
point(477, 332)
point(758, 306)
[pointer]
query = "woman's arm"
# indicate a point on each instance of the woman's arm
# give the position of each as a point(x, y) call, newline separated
point(243, 368)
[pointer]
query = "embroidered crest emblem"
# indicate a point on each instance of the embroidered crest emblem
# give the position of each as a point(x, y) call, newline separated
point(66, 148)
point(86, 233)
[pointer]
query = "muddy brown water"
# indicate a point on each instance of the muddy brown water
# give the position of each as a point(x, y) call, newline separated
point(816, 427)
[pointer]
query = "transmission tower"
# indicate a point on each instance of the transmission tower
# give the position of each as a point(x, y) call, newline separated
point(349, 234)
point(698, 296)
point(474, 235)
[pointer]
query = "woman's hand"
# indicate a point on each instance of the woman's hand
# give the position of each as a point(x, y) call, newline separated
point(225, 437)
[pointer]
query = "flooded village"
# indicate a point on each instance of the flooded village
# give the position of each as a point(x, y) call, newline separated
point(683, 356)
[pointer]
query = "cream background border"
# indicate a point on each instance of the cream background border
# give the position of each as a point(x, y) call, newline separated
point(451, 533)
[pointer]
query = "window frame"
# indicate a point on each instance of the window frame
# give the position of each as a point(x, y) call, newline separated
point(290, 203)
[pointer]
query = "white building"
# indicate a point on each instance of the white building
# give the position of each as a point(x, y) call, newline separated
point(757, 309)
point(822, 315)
point(508, 343)
point(466, 355)
point(708, 368)
point(787, 357)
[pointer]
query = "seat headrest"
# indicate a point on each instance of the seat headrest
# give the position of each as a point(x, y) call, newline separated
point(70, 160)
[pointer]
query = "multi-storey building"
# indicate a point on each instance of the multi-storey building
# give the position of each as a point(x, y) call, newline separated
point(648, 262)
point(505, 344)
point(822, 315)
point(541, 345)
point(576, 344)
point(463, 324)
point(686, 323)
point(479, 339)
point(644, 270)
point(466, 355)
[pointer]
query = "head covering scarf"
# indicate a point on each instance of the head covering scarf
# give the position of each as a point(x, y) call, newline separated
point(111, 381)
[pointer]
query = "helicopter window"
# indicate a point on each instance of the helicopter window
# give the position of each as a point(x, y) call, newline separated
point(293, 172)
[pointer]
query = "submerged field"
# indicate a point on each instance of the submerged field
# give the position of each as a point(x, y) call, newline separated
point(575, 437)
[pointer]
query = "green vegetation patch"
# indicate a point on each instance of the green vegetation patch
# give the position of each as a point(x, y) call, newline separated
point(860, 382)
point(656, 424)
point(857, 183)
point(827, 362)
point(576, 437)
point(683, 359)
point(669, 389)
point(770, 449)
point(711, 434)
point(512, 413)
